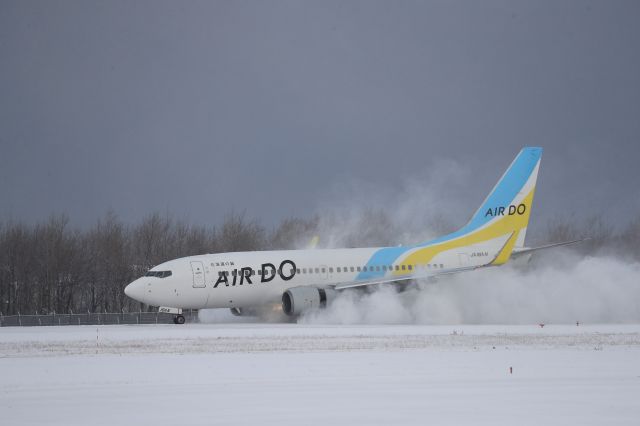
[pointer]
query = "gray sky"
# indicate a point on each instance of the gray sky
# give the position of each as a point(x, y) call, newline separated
point(198, 108)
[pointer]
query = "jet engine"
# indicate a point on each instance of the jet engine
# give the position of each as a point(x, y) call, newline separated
point(296, 300)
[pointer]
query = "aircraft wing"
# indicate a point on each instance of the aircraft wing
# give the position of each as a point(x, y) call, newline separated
point(404, 277)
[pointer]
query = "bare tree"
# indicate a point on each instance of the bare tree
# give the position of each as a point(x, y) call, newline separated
point(16, 255)
point(239, 234)
point(293, 233)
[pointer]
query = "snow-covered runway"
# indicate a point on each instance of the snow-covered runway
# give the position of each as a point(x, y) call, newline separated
point(285, 374)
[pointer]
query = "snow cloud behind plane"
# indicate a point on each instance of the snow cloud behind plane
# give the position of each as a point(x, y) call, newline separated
point(568, 289)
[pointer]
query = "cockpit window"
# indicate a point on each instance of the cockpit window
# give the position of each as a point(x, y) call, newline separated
point(158, 274)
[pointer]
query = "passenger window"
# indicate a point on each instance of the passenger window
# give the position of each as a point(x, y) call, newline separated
point(353, 270)
point(377, 268)
point(317, 270)
point(297, 271)
point(293, 271)
point(410, 267)
point(331, 270)
point(404, 267)
point(323, 270)
point(441, 265)
point(338, 269)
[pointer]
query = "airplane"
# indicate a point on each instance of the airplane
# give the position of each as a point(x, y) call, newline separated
point(299, 280)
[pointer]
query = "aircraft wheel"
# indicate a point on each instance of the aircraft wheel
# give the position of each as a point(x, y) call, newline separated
point(178, 319)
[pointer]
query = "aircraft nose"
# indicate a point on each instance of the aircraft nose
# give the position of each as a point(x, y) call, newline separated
point(135, 290)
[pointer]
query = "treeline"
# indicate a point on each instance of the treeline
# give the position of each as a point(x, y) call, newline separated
point(52, 267)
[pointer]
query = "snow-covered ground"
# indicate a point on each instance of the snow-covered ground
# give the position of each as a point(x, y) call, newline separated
point(312, 374)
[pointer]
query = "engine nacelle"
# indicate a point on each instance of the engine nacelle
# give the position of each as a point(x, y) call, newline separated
point(299, 299)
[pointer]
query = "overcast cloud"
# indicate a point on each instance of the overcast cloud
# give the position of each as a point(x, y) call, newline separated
point(200, 108)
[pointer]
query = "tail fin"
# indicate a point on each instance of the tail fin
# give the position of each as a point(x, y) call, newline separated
point(510, 201)
point(504, 214)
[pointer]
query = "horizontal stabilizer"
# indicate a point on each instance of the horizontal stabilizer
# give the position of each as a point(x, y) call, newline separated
point(525, 250)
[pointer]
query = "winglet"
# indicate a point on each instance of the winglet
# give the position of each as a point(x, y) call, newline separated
point(314, 242)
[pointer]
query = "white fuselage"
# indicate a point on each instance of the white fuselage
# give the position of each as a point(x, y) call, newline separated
point(196, 282)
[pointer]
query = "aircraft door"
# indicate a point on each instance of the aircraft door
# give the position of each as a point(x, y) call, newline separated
point(198, 273)
point(324, 272)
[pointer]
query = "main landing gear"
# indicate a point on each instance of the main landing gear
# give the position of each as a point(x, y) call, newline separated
point(178, 319)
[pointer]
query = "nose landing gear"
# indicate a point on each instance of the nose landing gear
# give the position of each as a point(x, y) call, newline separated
point(178, 318)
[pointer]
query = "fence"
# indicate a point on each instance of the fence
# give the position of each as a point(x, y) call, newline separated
point(94, 319)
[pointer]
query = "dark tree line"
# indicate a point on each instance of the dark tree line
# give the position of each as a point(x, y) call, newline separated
point(51, 267)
